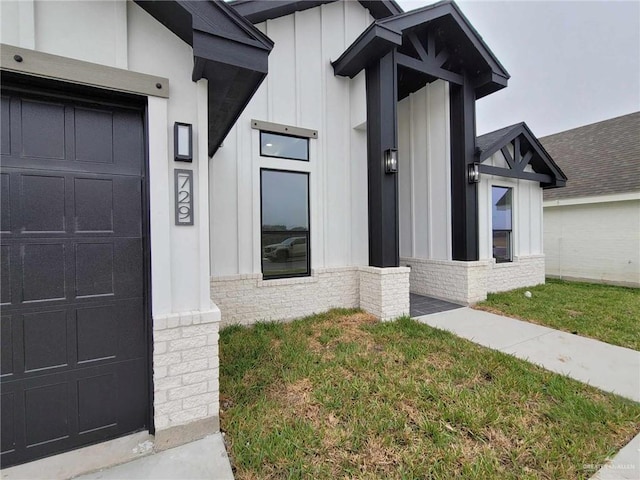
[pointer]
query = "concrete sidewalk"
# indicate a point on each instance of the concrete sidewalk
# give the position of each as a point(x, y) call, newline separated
point(608, 367)
point(204, 459)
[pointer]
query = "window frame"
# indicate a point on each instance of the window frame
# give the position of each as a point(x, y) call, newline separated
point(306, 233)
point(511, 232)
point(262, 154)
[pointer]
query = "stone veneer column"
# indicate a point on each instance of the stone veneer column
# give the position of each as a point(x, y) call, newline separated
point(384, 292)
point(185, 376)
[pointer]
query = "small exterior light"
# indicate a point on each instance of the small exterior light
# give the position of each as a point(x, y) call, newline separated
point(391, 160)
point(183, 142)
point(474, 172)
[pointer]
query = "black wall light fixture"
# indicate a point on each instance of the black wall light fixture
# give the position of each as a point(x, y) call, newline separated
point(473, 173)
point(391, 160)
point(183, 142)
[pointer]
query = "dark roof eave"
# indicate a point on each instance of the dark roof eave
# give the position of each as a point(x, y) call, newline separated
point(257, 11)
point(229, 52)
point(384, 34)
point(373, 43)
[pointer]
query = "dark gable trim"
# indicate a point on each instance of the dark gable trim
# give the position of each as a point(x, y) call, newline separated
point(257, 11)
point(527, 151)
point(228, 51)
point(494, 77)
point(375, 42)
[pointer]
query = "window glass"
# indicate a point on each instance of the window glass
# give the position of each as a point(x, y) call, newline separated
point(285, 224)
point(501, 216)
point(284, 146)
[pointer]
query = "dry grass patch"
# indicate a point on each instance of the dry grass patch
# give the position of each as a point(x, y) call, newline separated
point(340, 395)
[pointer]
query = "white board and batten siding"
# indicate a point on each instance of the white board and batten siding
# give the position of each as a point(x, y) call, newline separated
point(300, 90)
point(527, 212)
point(424, 173)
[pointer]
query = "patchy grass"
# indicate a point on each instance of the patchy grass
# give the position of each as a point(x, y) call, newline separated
point(340, 395)
point(603, 312)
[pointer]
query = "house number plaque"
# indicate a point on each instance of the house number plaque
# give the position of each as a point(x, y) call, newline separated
point(184, 196)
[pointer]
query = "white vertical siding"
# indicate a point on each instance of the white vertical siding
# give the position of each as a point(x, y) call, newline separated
point(527, 212)
point(425, 173)
point(300, 90)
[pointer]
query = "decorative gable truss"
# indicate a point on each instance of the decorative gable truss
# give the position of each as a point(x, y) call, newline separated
point(521, 149)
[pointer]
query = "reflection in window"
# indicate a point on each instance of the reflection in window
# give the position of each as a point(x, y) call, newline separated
point(285, 224)
point(284, 146)
point(501, 215)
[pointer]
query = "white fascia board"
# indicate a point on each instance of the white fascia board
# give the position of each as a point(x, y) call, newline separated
point(618, 197)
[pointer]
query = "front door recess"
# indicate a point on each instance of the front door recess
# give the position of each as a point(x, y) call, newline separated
point(74, 335)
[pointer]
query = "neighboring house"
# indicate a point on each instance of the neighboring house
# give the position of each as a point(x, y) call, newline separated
point(592, 227)
point(156, 181)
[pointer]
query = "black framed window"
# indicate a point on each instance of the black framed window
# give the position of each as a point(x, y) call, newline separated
point(285, 237)
point(502, 220)
point(284, 146)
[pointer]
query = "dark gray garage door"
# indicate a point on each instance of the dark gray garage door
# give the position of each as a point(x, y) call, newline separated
point(74, 335)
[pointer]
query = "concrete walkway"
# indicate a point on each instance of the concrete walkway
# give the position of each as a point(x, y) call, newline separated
point(608, 367)
point(204, 459)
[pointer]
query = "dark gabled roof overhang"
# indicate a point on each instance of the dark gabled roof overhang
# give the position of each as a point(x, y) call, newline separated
point(443, 21)
point(257, 11)
point(527, 150)
point(228, 51)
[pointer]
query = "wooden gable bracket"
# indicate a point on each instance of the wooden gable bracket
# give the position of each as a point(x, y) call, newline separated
point(428, 62)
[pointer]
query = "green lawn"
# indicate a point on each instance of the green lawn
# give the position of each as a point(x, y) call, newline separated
point(340, 395)
point(604, 312)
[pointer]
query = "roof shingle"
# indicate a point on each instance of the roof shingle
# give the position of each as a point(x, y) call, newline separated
point(599, 159)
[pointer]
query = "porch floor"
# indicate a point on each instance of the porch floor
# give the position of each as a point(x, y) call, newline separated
point(421, 305)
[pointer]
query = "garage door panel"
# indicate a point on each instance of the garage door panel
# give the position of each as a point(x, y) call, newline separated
point(97, 332)
point(42, 135)
point(45, 340)
point(43, 203)
point(47, 413)
point(6, 344)
point(72, 287)
point(128, 146)
point(131, 334)
point(7, 416)
point(5, 126)
point(93, 135)
point(43, 271)
point(132, 394)
point(128, 268)
point(93, 204)
point(94, 269)
point(5, 274)
point(97, 402)
point(127, 210)
point(5, 203)
point(43, 129)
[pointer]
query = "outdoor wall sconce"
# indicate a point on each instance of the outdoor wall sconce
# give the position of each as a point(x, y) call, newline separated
point(391, 160)
point(183, 142)
point(473, 172)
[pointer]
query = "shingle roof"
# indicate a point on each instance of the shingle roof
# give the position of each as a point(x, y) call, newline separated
point(488, 139)
point(599, 159)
